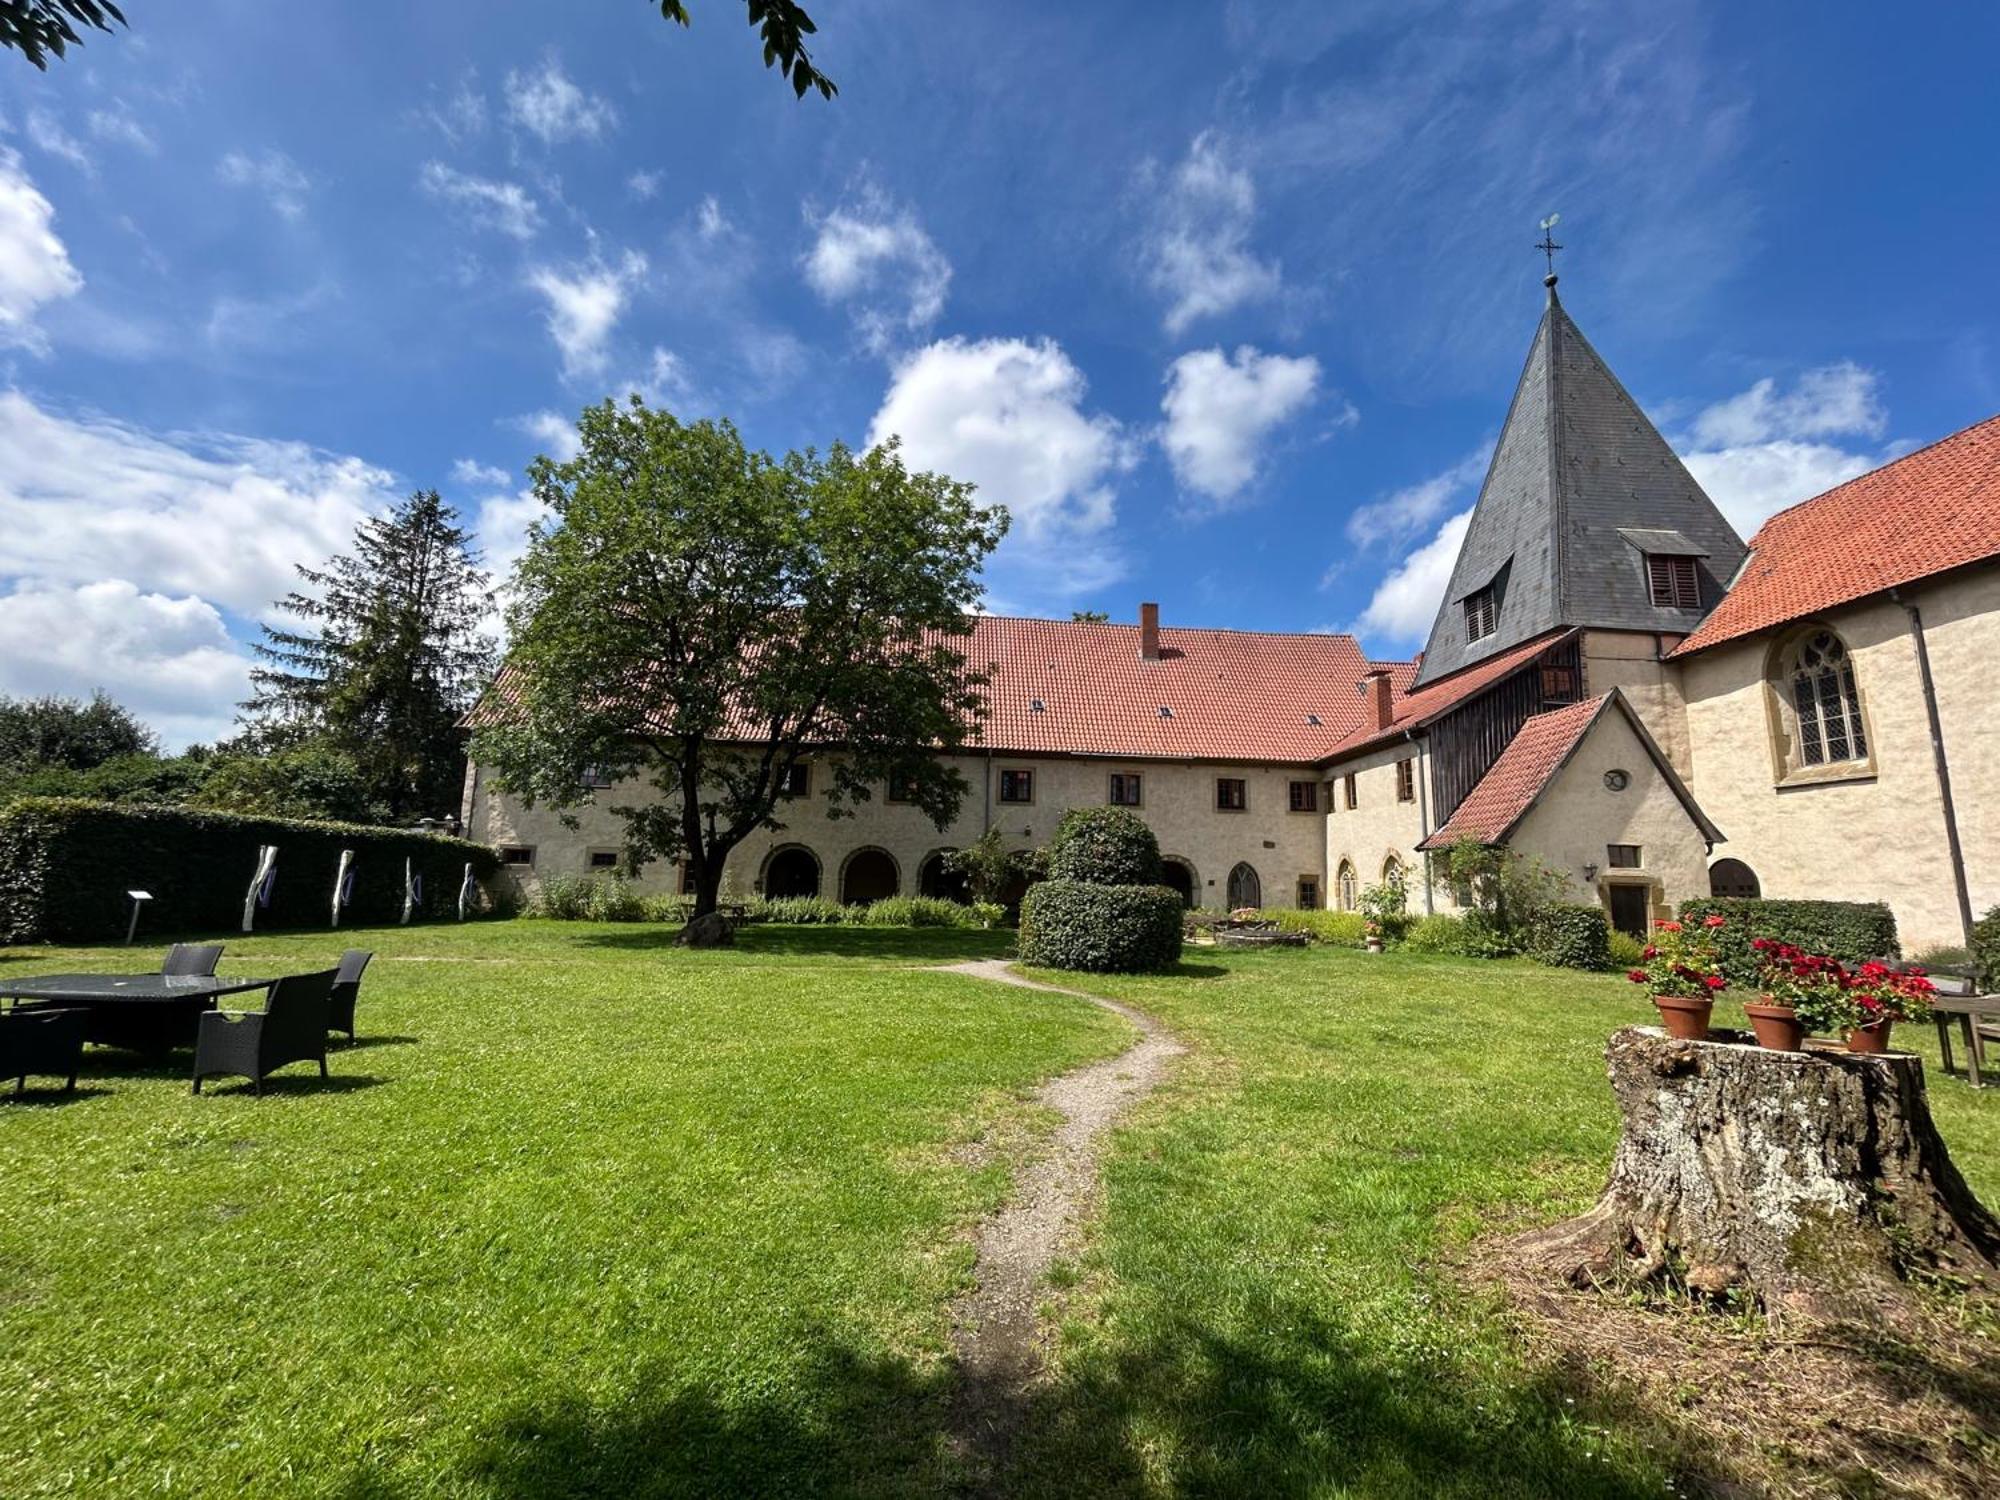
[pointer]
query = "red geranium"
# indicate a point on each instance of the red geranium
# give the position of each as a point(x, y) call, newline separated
point(1680, 961)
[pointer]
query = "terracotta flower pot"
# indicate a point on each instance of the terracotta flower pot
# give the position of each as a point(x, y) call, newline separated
point(1777, 1026)
point(1685, 1016)
point(1872, 1038)
point(1372, 943)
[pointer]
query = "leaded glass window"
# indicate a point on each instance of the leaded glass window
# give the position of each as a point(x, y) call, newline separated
point(1825, 705)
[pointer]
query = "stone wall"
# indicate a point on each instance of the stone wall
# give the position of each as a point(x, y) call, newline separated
point(1876, 833)
point(1178, 801)
point(1380, 827)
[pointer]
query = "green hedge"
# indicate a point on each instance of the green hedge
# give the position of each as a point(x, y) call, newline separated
point(1851, 931)
point(1441, 933)
point(1339, 929)
point(65, 867)
point(1104, 846)
point(1986, 948)
point(1101, 929)
point(1571, 937)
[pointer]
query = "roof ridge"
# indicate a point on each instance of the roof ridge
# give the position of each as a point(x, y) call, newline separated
point(1900, 458)
point(1289, 635)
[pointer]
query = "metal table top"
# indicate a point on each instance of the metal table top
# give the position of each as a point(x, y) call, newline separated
point(141, 989)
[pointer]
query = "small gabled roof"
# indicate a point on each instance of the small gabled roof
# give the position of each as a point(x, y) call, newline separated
point(1414, 707)
point(1929, 512)
point(1532, 761)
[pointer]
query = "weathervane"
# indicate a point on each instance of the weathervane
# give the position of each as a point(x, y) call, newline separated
point(1548, 246)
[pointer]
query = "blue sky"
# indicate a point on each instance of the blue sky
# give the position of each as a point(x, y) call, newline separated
point(1223, 300)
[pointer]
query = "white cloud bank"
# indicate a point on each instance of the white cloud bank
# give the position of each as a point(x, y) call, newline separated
point(548, 105)
point(584, 305)
point(876, 258)
point(489, 204)
point(1007, 414)
point(1220, 410)
point(1199, 249)
point(35, 267)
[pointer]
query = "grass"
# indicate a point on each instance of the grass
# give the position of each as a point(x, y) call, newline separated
point(593, 1216)
point(581, 1215)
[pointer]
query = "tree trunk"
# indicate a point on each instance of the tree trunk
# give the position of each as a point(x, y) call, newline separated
point(1815, 1180)
point(706, 927)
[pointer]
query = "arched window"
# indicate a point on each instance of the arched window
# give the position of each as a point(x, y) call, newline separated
point(1392, 871)
point(1178, 875)
point(1822, 704)
point(792, 870)
point(939, 883)
point(1344, 886)
point(1245, 889)
point(870, 875)
point(1731, 877)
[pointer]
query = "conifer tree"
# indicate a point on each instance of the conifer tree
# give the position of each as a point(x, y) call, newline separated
point(385, 658)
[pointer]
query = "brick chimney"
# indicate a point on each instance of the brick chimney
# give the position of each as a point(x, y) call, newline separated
point(1149, 632)
point(1375, 687)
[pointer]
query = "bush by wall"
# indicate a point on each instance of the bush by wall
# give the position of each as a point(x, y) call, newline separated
point(1986, 948)
point(65, 867)
point(1104, 846)
point(1337, 929)
point(1101, 929)
point(1626, 951)
point(1571, 937)
point(1851, 931)
point(1441, 933)
point(612, 898)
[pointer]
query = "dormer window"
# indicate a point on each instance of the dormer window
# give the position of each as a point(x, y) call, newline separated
point(1036, 705)
point(1165, 712)
point(1674, 582)
point(1481, 618)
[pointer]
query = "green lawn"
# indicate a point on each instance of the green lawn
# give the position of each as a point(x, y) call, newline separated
point(589, 1215)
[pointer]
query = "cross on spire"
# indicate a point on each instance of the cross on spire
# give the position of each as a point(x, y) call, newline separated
point(1548, 246)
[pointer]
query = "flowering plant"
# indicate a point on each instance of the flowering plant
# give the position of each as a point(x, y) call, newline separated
point(1829, 996)
point(1682, 960)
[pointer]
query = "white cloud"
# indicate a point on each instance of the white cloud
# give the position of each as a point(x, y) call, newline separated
point(1220, 409)
point(281, 180)
point(710, 221)
point(218, 516)
point(119, 126)
point(1007, 415)
point(1404, 604)
point(1760, 451)
point(48, 135)
point(505, 206)
point(462, 116)
point(666, 383)
point(549, 105)
point(555, 433)
point(34, 266)
point(584, 307)
point(1198, 250)
point(645, 186)
point(474, 475)
point(502, 530)
point(1402, 515)
point(876, 257)
point(170, 660)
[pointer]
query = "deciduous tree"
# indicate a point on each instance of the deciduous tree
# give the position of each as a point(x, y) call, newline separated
point(701, 616)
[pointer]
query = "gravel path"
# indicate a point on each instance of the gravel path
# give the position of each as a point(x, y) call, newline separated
point(994, 1327)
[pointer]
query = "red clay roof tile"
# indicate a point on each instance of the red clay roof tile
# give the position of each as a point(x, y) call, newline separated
point(1937, 508)
point(1410, 710)
point(1509, 788)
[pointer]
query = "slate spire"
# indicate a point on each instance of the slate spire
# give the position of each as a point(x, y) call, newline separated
point(1581, 493)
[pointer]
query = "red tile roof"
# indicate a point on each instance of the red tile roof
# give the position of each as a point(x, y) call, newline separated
point(1410, 710)
point(1935, 509)
point(1509, 788)
point(1232, 695)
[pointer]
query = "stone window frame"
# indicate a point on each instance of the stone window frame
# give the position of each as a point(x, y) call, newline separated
point(1311, 791)
point(799, 771)
point(1352, 785)
point(1125, 781)
point(1000, 792)
point(1242, 794)
point(1346, 885)
point(517, 856)
point(1614, 861)
point(1305, 893)
point(595, 859)
point(1406, 779)
point(1789, 768)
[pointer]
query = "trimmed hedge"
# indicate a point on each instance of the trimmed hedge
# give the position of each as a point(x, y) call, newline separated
point(1104, 846)
point(1101, 929)
point(1851, 931)
point(65, 867)
point(1571, 937)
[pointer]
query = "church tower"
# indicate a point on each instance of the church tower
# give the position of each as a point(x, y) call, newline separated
point(1588, 520)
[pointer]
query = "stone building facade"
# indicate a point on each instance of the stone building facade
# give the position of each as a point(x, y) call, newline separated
point(1615, 683)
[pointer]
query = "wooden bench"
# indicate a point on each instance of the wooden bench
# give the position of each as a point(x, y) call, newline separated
point(1977, 1017)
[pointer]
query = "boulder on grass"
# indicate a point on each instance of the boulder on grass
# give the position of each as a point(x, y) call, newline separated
point(707, 931)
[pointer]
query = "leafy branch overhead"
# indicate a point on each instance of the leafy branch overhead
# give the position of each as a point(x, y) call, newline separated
point(784, 27)
point(35, 28)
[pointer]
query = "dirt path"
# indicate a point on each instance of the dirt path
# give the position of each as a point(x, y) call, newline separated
point(994, 1326)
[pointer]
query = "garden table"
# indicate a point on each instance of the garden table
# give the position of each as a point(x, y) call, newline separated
point(1973, 1013)
point(146, 1012)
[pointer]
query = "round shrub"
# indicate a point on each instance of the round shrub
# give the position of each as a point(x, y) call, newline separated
point(1104, 846)
point(1571, 937)
point(1101, 929)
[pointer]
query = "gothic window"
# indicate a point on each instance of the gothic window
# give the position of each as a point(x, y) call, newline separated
point(1480, 615)
point(1822, 704)
point(1345, 890)
point(1245, 889)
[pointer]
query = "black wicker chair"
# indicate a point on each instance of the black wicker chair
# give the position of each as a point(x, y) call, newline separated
point(41, 1039)
point(346, 985)
point(290, 1028)
point(192, 959)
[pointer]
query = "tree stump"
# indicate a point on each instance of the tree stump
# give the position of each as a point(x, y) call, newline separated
point(1814, 1180)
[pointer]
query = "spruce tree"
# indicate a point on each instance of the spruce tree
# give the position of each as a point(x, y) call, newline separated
point(385, 658)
